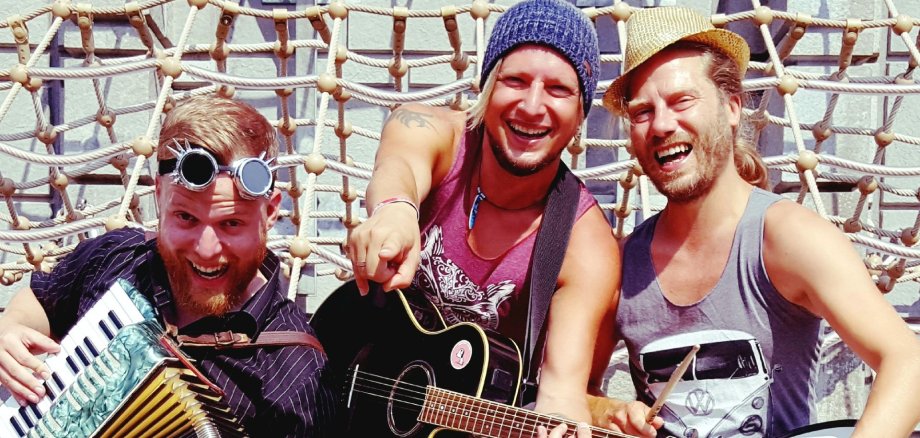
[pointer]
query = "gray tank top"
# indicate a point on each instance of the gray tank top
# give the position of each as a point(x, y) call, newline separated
point(754, 372)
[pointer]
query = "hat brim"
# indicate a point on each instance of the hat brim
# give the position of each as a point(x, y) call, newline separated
point(727, 42)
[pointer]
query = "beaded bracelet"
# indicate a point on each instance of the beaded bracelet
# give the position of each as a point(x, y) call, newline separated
point(395, 200)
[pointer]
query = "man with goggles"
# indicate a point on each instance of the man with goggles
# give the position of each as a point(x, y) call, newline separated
point(195, 168)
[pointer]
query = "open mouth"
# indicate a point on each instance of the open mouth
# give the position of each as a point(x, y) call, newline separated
point(673, 154)
point(525, 132)
point(209, 273)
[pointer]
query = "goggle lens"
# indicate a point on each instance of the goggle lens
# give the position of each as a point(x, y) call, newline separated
point(255, 177)
point(197, 169)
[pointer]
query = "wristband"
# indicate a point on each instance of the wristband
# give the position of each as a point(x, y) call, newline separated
point(395, 200)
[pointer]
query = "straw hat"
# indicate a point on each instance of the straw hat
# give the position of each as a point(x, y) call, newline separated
point(648, 31)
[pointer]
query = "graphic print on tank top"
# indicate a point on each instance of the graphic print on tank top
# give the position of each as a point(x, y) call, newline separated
point(724, 392)
point(457, 297)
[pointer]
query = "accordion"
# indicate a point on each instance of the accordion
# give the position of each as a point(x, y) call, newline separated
point(118, 374)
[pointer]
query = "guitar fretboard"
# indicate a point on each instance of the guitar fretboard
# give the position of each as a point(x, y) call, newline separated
point(456, 411)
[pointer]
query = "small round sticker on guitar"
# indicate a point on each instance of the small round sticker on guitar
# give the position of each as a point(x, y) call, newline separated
point(461, 354)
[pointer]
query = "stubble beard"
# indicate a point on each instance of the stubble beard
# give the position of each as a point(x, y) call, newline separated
point(711, 150)
point(216, 301)
point(518, 167)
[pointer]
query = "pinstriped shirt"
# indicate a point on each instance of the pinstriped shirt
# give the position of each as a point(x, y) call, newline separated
point(278, 391)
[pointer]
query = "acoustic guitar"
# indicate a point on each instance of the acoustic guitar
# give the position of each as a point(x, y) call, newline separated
point(405, 374)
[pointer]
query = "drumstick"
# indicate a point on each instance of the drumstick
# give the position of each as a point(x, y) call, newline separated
point(675, 377)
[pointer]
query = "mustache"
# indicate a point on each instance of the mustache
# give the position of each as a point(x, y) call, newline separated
point(673, 139)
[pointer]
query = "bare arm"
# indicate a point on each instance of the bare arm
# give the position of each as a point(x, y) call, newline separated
point(24, 331)
point(588, 284)
point(815, 266)
point(416, 151)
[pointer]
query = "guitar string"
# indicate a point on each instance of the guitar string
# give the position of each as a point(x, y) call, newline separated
point(388, 387)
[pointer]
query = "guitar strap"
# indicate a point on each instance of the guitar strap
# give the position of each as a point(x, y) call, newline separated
point(549, 251)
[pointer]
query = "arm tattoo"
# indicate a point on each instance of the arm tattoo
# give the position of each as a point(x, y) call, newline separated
point(409, 118)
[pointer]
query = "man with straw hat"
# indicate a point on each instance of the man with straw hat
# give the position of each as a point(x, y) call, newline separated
point(728, 266)
point(457, 201)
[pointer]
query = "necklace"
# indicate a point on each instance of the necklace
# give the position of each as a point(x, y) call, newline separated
point(481, 196)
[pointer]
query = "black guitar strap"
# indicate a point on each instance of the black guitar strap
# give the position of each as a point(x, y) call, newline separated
point(549, 251)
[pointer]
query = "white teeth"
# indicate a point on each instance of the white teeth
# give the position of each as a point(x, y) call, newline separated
point(672, 151)
point(527, 131)
point(206, 270)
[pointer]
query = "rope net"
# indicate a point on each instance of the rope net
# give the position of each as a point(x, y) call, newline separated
point(315, 102)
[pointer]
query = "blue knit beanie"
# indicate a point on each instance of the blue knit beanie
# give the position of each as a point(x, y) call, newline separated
point(552, 23)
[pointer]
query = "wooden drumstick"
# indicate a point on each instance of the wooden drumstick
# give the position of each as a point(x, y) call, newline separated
point(675, 377)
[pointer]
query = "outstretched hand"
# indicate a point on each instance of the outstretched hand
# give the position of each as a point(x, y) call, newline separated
point(624, 417)
point(20, 371)
point(385, 248)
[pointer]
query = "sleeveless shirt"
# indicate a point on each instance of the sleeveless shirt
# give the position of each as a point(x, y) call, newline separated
point(462, 285)
point(754, 371)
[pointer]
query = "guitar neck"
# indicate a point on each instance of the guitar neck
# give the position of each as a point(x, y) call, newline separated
point(456, 411)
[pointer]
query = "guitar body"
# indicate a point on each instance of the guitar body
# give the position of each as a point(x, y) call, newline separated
point(388, 351)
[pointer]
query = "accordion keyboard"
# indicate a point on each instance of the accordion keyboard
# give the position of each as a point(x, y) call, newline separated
point(85, 341)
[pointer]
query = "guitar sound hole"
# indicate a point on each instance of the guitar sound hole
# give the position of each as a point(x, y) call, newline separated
point(406, 396)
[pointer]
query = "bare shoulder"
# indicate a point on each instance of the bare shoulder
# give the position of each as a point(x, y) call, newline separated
point(593, 253)
point(788, 223)
point(421, 117)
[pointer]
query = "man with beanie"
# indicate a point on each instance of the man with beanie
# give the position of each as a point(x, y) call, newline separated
point(456, 200)
point(727, 266)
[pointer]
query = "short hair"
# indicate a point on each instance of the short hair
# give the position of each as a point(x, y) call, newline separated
point(229, 129)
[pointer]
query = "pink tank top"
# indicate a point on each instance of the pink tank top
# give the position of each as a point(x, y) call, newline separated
point(464, 286)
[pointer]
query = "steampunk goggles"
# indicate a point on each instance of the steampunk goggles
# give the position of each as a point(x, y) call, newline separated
point(195, 168)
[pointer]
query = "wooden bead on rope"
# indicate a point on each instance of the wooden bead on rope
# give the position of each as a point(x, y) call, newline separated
point(226, 91)
point(219, 52)
point(903, 23)
point(115, 223)
point(7, 279)
point(807, 161)
point(763, 15)
point(19, 73)
point(287, 127)
point(341, 55)
point(61, 9)
point(47, 135)
point(59, 181)
point(295, 190)
point(621, 12)
point(23, 223)
point(883, 138)
point(344, 130)
point(142, 147)
point(909, 237)
point(341, 274)
point(7, 187)
point(821, 131)
point(35, 257)
point(352, 222)
point(852, 225)
point(170, 67)
point(326, 83)
point(350, 195)
point(341, 95)
point(200, 4)
point(119, 162)
point(637, 170)
point(337, 10)
point(169, 104)
point(867, 185)
point(577, 146)
point(398, 71)
point(885, 283)
point(106, 118)
point(33, 85)
point(787, 85)
point(480, 9)
point(628, 181)
point(300, 248)
point(284, 92)
point(284, 52)
point(719, 20)
point(623, 211)
point(315, 164)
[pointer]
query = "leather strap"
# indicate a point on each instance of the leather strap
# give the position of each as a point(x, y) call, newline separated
point(548, 253)
point(229, 339)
